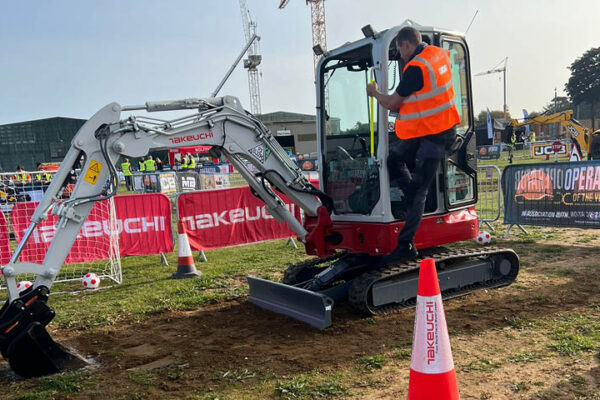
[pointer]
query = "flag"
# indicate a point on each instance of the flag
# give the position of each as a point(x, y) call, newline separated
point(526, 116)
point(489, 125)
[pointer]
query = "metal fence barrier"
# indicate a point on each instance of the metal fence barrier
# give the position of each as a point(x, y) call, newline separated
point(489, 191)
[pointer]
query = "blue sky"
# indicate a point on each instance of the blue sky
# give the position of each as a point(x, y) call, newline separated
point(71, 57)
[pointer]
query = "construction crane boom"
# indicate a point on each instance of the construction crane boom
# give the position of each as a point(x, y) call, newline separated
point(496, 70)
point(254, 58)
point(317, 16)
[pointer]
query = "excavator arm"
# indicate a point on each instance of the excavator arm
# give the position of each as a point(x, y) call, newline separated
point(565, 118)
point(220, 122)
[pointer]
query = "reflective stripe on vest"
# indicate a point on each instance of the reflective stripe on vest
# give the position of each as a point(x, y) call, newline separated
point(142, 165)
point(430, 110)
point(192, 164)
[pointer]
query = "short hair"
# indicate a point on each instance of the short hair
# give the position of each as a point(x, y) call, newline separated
point(409, 34)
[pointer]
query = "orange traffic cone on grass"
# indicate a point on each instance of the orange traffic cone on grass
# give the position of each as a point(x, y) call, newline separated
point(185, 259)
point(432, 374)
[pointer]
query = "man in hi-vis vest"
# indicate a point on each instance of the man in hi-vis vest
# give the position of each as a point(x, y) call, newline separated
point(425, 125)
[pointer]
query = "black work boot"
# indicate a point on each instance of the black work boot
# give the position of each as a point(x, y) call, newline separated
point(404, 251)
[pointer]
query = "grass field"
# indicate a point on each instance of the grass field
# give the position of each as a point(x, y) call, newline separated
point(157, 338)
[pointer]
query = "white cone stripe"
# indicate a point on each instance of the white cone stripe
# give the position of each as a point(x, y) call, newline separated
point(184, 249)
point(431, 353)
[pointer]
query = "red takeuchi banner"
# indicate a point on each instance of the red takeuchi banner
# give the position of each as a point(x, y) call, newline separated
point(4, 241)
point(143, 223)
point(228, 217)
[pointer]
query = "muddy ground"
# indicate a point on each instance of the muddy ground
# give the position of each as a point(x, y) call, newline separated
point(506, 343)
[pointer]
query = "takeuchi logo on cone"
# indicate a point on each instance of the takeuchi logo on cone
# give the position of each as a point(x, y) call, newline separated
point(535, 185)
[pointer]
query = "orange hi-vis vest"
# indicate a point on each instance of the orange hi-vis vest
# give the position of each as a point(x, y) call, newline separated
point(430, 110)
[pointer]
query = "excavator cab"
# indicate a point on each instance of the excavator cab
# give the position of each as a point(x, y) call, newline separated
point(353, 169)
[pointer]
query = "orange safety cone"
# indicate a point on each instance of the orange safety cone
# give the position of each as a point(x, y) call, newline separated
point(432, 374)
point(185, 260)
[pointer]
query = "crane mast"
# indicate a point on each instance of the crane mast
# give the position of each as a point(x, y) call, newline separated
point(317, 16)
point(253, 60)
point(503, 70)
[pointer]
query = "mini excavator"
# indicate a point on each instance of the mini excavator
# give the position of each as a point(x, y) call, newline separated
point(350, 222)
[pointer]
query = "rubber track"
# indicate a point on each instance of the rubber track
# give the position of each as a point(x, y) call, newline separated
point(290, 275)
point(358, 295)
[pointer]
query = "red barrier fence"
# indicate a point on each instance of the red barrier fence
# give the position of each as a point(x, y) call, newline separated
point(228, 217)
point(4, 241)
point(143, 224)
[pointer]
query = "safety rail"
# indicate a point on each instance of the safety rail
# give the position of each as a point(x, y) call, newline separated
point(489, 190)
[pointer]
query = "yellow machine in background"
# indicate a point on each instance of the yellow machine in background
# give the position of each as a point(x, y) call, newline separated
point(581, 134)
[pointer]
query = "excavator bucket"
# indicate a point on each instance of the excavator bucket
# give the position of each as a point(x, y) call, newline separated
point(33, 353)
point(24, 341)
point(304, 305)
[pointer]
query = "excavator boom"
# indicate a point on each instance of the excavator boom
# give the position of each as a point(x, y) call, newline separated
point(219, 122)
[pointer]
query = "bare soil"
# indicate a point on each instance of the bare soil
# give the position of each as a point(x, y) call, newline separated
point(241, 351)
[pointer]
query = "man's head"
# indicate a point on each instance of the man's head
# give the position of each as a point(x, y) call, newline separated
point(149, 157)
point(407, 41)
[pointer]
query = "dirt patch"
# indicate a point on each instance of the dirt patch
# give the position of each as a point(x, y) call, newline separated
point(499, 338)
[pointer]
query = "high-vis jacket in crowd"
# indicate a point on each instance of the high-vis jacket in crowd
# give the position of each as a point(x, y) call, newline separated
point(126, 168)
point(150, 165)
point(430, 110)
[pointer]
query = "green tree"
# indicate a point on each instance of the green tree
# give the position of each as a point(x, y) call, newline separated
point(584, 84)
point(482, 116)
point(562, 104)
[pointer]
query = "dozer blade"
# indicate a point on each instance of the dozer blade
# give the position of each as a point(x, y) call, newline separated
point(33, 353)
point(304, 305)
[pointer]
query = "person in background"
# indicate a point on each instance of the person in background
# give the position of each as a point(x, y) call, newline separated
point(184, 162)
point(142, 164)
point(191, 162)
point(126, 169)
point(22, 177)
point(42, 176)
point(159, 164)
point(150, 164)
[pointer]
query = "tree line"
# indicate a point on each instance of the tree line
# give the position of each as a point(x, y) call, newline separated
point(583, 92)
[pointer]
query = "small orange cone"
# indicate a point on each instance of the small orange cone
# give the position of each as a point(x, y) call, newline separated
point(185, 259)
point(432, 374)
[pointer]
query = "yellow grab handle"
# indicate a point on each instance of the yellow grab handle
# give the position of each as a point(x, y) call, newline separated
point(371, 126)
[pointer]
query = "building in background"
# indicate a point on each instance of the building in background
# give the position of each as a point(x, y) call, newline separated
point(43, 140)
point(295, 132)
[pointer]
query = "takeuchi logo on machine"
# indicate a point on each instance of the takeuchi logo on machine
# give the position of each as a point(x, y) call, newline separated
point(191, 138)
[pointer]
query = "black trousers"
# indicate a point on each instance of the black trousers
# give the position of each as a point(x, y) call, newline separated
point(421, 156)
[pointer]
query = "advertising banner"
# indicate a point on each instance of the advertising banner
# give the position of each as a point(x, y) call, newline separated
point(220, 218)
point(547, 149)
point(167, 183)
point(214, 181)
point(557, 194)
point(489, 152)
point(143, 223)
point(4, 241)
point(188, 181)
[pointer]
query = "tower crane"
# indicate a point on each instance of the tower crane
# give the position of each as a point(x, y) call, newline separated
point(503, 70)
point(319, 34)
point(253, 60)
